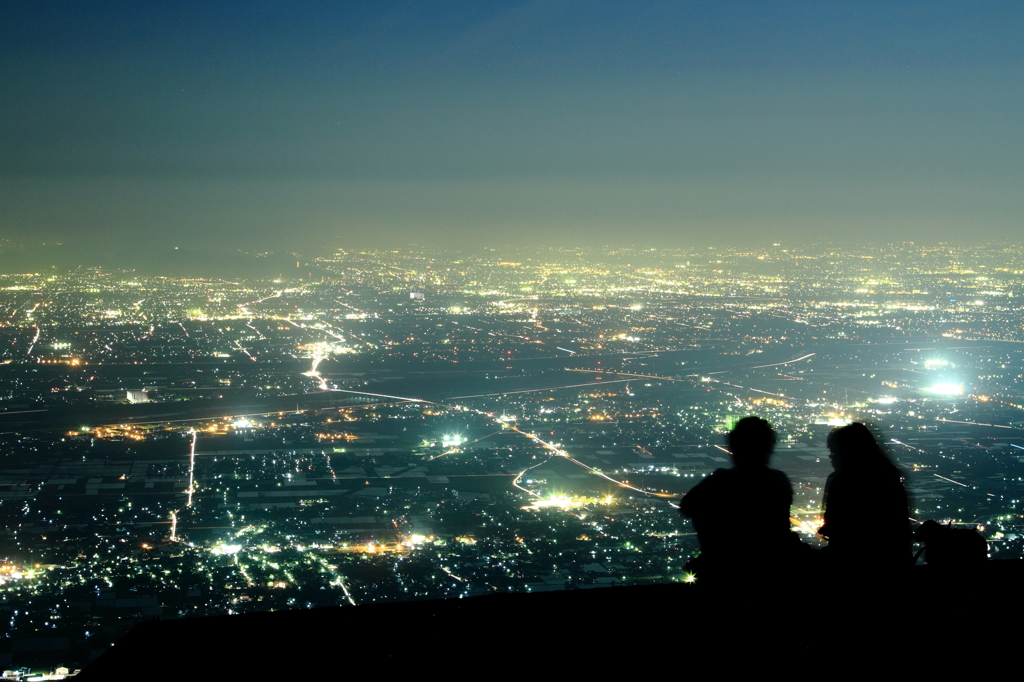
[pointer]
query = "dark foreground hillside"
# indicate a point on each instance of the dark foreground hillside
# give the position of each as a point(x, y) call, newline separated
point(925, 622)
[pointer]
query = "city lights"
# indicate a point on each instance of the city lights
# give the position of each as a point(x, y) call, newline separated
point(294, 446)
point(945, 389)
point(452, 440)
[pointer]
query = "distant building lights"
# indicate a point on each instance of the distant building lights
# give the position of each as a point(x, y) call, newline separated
point(450, 441)
point(945, 389)
point(836, 421)
point(226, 550)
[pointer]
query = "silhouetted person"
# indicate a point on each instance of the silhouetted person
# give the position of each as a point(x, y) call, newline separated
point(866, 510)
point(741, 514)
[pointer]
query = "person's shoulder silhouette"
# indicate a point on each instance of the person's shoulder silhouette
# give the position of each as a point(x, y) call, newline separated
point(742, 512)
point(866, 506)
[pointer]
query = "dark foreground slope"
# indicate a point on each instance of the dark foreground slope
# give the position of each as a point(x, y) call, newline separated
point(926, 621)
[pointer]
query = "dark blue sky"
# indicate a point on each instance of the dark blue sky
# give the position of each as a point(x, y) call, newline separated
point(374, 124)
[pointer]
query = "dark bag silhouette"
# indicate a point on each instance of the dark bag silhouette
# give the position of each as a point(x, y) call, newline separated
point(948, 546)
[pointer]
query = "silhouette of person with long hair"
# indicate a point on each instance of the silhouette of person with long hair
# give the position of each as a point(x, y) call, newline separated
point(741, 514)
point(866, 511)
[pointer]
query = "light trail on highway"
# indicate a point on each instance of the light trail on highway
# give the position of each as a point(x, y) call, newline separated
point(312, 373)
point(951, 480)
point(515, 481)
point(954, 421)
point(556, 451)
point(623, 374)
point(563, 454)
point(35, 339)
point(787, 362)
point(242, 348)
point(533, 437)
point(191, 468)
point(382, 395)
point(534, 390)
point(249, 325)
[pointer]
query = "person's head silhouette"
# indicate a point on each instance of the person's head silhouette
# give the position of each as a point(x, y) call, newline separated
point(751, 442)
point(854, 448)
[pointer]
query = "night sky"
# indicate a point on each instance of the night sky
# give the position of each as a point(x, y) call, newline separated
point(305, 125)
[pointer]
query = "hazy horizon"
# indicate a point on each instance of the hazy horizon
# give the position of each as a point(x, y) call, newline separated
point(264, 126)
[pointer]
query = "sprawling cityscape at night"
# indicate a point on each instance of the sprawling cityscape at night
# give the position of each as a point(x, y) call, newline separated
point(420, 424)
point(348, 337)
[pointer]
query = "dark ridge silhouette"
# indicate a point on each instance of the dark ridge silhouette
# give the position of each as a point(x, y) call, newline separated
point(657, 629)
